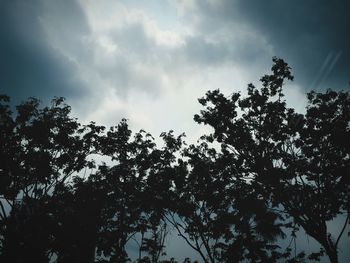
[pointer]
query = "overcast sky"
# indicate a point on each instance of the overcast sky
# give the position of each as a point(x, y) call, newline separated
point(149, 61)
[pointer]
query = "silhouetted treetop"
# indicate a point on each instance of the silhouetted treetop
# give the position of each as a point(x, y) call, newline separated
point(298, 161)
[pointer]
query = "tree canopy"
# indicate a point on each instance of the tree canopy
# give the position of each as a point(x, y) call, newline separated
point(263, 173)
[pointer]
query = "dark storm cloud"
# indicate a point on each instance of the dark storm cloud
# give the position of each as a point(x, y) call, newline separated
point(311, 35)
point(29, 65)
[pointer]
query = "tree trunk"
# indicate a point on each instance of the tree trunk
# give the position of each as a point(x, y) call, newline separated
point(322, 237)
point(332, 253)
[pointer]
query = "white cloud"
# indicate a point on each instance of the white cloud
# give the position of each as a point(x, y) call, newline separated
point(133, 66)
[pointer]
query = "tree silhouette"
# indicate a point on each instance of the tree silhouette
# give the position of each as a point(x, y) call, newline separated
point(133, 187)
point(230, 196)
point(299, 162)
point(40, 149)
point(219, 214)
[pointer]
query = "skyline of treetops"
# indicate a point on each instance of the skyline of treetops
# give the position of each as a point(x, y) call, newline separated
point(261, 176)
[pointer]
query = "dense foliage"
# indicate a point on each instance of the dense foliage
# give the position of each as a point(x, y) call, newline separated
point(263, 173)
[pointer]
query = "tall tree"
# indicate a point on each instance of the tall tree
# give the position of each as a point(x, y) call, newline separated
point(299, 162)
point(40, 149)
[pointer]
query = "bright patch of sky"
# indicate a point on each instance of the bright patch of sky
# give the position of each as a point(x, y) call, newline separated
point(163, 12)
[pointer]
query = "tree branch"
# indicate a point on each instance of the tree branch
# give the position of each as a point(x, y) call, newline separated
point(3, 215)
point(342, 231)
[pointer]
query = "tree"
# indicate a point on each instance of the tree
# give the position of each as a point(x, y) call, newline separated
point(299, 162)
point(50, 211)
point(40, 149)
point(218, 214)
point(134, 187)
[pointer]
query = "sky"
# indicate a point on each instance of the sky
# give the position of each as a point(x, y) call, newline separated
point(149, 61)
